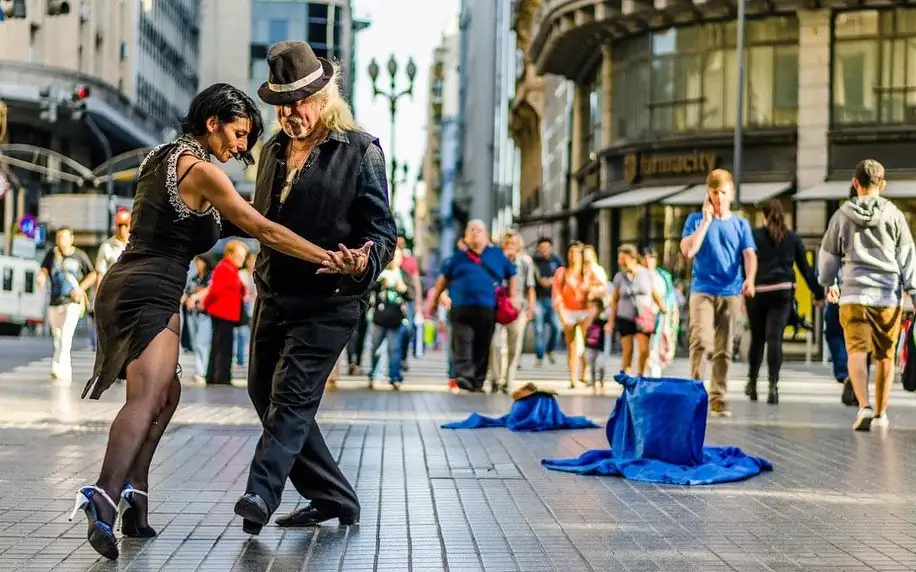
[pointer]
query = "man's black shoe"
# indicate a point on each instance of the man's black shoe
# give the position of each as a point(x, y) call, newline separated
point(254, 511)
point(464, 384)
point(251, 528)
point(311, 516)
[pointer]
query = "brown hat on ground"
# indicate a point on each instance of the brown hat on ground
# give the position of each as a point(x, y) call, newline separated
point(530, 389)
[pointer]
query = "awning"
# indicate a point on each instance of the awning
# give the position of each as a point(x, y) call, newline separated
point(689, 197)
point(636, 197)
point(826, 191)
point(751, 193)
point(839, 191)
point(900, 190)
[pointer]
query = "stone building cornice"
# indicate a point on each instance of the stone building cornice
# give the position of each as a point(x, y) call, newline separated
point(570, 32)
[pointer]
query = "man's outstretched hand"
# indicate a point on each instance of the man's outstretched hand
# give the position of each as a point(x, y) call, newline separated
point(346, 261)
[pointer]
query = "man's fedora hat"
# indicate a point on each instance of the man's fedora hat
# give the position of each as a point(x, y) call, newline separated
point(295, 73)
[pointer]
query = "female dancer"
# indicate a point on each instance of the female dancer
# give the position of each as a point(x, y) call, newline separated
point(176, 215)
point(778, 251)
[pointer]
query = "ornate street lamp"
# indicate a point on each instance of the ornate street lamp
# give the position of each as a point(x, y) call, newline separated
point(392, 94)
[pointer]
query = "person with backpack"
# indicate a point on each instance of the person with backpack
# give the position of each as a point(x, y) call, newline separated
point(389, 315)
point(71, 274)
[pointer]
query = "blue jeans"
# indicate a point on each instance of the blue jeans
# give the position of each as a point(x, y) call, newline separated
point(836, 341)
point(408, 332)
point(200, 330)
point(545, 317)
point(382, 335)
point(240, 338)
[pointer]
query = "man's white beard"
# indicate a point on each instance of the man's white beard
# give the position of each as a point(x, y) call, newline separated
point(294, 130)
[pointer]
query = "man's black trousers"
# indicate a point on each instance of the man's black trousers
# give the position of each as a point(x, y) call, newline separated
point(472, 332)
point(290, 360)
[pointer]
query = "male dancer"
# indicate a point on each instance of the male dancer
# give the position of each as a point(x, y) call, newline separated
point(324, 178)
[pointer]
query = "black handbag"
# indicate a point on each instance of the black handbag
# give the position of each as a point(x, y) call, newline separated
point(389, 310)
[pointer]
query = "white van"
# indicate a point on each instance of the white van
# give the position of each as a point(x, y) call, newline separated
point(22, 302)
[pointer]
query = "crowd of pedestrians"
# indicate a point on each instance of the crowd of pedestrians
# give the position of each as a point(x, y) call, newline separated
point(487, 294)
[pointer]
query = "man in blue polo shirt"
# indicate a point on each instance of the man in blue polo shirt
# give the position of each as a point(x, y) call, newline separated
point(724, 255)
point(471, 277)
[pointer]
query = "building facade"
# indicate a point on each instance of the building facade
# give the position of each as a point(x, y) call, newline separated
point(539, 125)
point(487, 188)
point(135, 64)
point(654, 110)
point(435, 229)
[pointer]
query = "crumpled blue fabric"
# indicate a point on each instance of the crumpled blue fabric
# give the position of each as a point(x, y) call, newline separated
point(656, 431)
point(537, 412)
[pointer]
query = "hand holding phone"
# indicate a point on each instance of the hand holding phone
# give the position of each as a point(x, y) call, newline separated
point(708, 210)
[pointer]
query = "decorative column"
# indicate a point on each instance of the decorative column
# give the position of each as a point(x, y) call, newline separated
point(605, 253)
point(579, 154)
point(813, 115)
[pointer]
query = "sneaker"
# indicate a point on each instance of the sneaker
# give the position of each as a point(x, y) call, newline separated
point(551, 358)
point(864, 419)
point(453, 386)
point(880, 422)
point(539, 362)
point(720, 410)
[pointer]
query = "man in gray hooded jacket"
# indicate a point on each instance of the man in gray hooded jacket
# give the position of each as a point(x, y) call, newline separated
point(870, 239)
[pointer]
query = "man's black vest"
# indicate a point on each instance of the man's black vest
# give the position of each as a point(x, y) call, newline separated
point(317, 209)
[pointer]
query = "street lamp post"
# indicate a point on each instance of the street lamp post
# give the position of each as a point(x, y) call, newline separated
point(393, 95)
point(739, 121)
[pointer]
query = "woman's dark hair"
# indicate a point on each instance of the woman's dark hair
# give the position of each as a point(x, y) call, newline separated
point(776, 221)
point(227, 103)
point(853, 193)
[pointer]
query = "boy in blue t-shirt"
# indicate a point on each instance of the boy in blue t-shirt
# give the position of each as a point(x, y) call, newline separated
point(724, 255)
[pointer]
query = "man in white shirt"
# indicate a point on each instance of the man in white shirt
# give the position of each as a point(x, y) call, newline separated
point(109, 252)
point(112, 248)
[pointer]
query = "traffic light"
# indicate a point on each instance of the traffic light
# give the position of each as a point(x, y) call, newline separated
point(12, 9)
point(58, 8)
point(80, 95)
point(48, 106)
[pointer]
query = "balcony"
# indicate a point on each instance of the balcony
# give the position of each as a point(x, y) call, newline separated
point(569, 33)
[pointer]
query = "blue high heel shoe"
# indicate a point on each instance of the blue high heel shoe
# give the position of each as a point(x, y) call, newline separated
point(128, 515)
point(101, 535)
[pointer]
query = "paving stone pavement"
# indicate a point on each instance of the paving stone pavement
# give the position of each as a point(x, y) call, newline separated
point(456, 501)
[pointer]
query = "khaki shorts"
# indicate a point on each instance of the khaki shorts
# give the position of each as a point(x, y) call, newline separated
point(871, 329)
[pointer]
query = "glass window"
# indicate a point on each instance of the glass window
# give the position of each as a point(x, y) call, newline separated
point(318, 32)
point(317, 10)
point(7, 279)
point(29, 281)
point(689, 75)
point(277, 31)
point(874, 67)
point(594, 114)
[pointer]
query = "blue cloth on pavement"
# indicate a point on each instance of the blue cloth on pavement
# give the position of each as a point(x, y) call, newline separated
point(657, 432)
point(537, 412)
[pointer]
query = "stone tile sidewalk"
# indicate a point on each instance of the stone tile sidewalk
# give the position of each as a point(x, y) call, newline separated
point(456, 501)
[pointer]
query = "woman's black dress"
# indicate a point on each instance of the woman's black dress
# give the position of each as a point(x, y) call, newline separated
point(143, 289)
